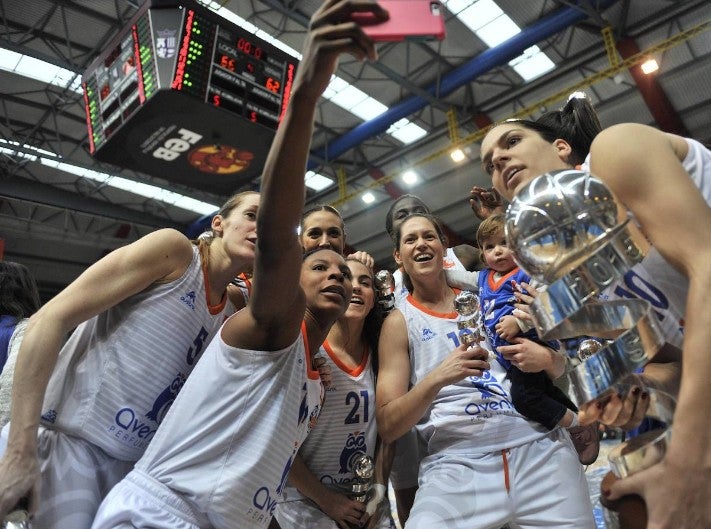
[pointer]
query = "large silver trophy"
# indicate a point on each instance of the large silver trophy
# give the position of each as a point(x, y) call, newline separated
point(569, 234)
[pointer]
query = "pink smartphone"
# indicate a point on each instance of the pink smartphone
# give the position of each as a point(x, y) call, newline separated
point(409, 19)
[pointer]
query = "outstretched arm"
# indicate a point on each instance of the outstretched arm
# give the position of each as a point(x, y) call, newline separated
point(162, 255)
point(642, 167)
point(276, 307)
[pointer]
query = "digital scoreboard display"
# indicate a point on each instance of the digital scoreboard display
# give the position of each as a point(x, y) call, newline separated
point(185, 95)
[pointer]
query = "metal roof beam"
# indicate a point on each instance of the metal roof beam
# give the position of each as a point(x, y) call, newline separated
point(36, 192)
point(485, 61)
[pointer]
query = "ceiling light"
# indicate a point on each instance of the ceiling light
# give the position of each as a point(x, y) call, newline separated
point(650, 66)
point(475, 15)
point(406, 131)
point(138, 188)
point(457, 155)
point(40, 70)
point(409, 177)
point(317, 181)
point(493, 26)
point(532, 63)
point(368, 197)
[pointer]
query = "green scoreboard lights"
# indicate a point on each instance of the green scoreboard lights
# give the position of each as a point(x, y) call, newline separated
point(185, 95)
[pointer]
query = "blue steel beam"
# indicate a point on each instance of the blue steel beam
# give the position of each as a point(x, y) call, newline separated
point(467, 72)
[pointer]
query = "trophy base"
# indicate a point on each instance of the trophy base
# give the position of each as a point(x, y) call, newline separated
point(631, 510)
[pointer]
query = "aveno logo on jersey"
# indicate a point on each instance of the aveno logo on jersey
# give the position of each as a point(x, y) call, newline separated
point(131, 430)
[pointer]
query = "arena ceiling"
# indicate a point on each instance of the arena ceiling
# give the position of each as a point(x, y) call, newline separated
point(58, 222)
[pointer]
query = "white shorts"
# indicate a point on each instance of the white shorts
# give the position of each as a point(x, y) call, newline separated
point(141, 502)
point(409, 451)
point(300, 514)
point(75, 477)
point(539, 484)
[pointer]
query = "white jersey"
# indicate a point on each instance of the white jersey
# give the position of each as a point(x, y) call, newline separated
point(120, 371)
point(347, 423)
point(450, 261)
point(8, 372)
point(474, 415)
point(654, 279)
point(228, 442)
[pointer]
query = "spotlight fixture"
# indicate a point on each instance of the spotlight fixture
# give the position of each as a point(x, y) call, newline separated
point(409, 177)
point(650, 66)
point(457, 155)
point(368, 197)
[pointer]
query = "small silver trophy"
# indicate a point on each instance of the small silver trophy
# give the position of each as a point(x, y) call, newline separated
point(19, 518)
point(466, 304)
point(363, 468)
point(385, 290)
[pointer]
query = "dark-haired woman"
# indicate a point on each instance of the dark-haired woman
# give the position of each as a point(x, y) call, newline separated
point(486, 464)
point(322, 227)
point(319, 493)
point(664, 180)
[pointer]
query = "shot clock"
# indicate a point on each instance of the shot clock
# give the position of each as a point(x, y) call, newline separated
point(183, 94)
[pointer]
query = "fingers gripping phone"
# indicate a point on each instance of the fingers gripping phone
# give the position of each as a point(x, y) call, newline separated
point(409, 19)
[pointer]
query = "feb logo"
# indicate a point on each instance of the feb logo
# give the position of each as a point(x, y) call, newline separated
point(220, 159)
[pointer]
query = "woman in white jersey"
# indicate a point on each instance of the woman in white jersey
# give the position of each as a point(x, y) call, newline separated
point(665, 182)
point(347, 363)
point(486, 465)
point(144, 314)
point(407, 449)
point(222, 455)
point(321, 479)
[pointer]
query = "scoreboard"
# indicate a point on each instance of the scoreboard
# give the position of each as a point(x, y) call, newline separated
point(185, 95)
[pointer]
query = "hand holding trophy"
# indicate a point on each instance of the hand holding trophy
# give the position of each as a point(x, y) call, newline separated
point(569, 233)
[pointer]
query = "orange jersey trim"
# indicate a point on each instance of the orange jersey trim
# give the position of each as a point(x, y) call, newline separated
point(213, 309)
point(352, 371)
point(444, 315)
point(496, 284)
point(312, 373)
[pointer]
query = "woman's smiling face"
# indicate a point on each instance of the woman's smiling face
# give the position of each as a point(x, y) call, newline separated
point(421, 248)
